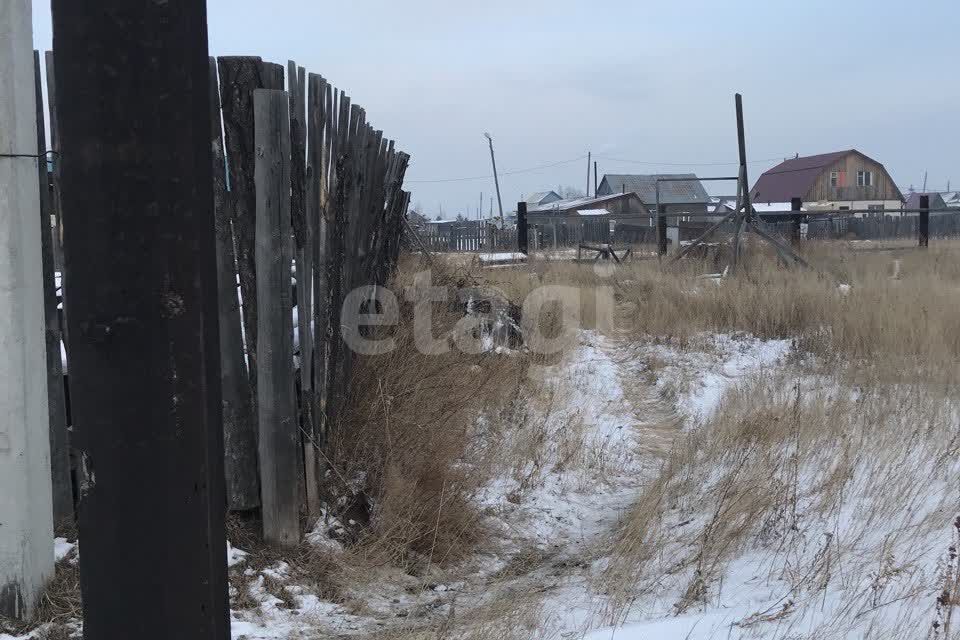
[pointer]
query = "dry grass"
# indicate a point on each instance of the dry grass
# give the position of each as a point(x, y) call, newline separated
point(409, 436)
point(835, 479)
point(58, 608)
point(907, 321)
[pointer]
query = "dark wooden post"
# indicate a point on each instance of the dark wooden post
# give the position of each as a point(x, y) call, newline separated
point(661, 229)
point(56, 398)
point(795, 205)
point(143, 333)
point(522, 227)
point(276, 397)
point(923, 228)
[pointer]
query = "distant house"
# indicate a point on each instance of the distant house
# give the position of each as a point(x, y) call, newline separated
point(936, 200)
point(830, 181)
point(541, 198)
point(616, 204)
point(686, 195)
point(952, 199)
point(589, 219)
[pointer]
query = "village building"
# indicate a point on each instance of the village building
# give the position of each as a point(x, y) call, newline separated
point(936, 200)
point(838, 181)
point(679, 193)
point(590, 219)
point(541, 198)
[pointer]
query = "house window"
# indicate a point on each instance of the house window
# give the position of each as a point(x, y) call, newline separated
point(864, 178)
point(834, 178)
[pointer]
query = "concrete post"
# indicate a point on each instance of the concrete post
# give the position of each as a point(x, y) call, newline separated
point(26, 504)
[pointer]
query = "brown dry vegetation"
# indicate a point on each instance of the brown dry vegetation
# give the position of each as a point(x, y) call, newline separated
point(910, 320)
point(409, 435)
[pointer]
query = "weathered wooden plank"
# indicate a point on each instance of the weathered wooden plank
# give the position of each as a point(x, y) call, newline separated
point(277, 404)
point(239, 78)
point(273, 76)
point(55, 145)
point(343, 161)
point(303, 254)
point(63, 513)
point(315, 127)
point(321, 254)
point(143, 327)
point(239, 426)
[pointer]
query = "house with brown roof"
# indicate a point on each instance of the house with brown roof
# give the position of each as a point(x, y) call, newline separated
point(841, 180)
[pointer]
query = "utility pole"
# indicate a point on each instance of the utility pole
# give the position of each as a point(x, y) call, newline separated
point(143, 328)
point(496, 180)
point(26, 513)
point(596, 185)
point(587, 192)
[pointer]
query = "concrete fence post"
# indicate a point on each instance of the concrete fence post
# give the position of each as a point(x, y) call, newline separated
point(26, 504)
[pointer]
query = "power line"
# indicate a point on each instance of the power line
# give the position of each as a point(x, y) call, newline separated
point(690, 164)
point(502, 173)
point(608, 159)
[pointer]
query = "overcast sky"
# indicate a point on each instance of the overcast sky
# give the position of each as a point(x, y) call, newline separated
point(628, 80)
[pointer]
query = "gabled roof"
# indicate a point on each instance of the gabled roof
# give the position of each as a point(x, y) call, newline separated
point(793, 178)
point(542, 197)
point(576, 204)
point(913, 200)
point(689, 191)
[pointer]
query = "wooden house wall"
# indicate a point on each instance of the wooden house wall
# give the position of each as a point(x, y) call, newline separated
point(882, 187)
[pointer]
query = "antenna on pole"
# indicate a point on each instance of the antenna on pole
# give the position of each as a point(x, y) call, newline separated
point(496, 180)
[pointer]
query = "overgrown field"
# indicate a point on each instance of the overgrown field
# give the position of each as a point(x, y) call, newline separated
point(770, 454)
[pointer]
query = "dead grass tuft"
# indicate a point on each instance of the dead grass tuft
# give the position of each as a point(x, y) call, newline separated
point(59, 605)
point(407, 439)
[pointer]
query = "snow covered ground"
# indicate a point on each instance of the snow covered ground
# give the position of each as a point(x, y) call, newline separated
point(604, 418)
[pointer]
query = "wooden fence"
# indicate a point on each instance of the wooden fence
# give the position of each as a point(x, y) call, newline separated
point(338, 229)
point(942, 225)
point(309, 205)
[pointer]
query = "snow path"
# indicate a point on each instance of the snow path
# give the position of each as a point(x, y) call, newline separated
point(629, 420)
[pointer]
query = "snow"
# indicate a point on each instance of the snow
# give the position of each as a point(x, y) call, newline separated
point(495, 257)
point(62, 548)
point(607, 425)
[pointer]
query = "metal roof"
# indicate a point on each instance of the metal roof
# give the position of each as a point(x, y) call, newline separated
point(793, 178)
point(577, 204)
point(689, 191)
point(936, 200)
point(539, 197)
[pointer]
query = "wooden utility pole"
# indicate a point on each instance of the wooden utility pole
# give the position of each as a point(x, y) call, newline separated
point(596, 184)
point(277, 420)
point(26, 512)
point(496, 180)
point(923, 224)
point(139, 245)
point(587, 192)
